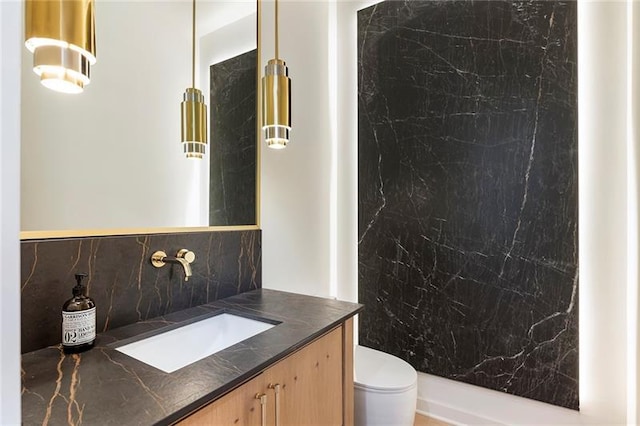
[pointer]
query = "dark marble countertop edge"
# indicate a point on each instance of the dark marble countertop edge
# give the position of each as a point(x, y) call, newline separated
point(303, 319)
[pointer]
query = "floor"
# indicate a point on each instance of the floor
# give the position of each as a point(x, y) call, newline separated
point(428, 421)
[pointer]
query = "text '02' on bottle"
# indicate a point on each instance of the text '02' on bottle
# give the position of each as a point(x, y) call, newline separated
point(78, 320)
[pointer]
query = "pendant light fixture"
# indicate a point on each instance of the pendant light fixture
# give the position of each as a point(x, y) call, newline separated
point(276, 98)
point(193, 109)
point(61, 36)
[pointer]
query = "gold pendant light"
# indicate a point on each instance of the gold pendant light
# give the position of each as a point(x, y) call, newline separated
point(61, 36)
point(276, 98)
point(193, 109)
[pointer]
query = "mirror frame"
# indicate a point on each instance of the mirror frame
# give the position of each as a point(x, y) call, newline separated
point(83, 233)
point(113, 232)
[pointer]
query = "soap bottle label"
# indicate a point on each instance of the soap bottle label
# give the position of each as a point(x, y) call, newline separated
point(78, 327)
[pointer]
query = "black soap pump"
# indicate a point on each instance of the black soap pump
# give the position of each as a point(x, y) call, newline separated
point(78, 320)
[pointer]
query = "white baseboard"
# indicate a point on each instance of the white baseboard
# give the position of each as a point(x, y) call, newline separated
point(451, 415)
point(463, 404)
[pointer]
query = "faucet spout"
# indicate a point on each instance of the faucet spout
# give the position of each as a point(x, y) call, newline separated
point(184, 258)
point(185, 265)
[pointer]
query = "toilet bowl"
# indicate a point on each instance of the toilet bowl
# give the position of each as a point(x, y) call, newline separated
point(386, 389)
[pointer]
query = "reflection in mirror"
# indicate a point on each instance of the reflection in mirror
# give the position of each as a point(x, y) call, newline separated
point(111, 157)
point(232, 177)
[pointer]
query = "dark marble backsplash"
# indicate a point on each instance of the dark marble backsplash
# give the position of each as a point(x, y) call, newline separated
point(124, 284)
point(468, 191)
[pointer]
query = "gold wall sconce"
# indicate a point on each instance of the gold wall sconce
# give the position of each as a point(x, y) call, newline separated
point(61, 36)
point(276, 98)
point(193, 109)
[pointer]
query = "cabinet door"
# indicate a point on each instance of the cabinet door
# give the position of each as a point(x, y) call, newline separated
point(238, 407)
point(311, 385)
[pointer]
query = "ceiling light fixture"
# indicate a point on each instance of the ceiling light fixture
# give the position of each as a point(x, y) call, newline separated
point(61, 36)
point(276, 98)
point(193, 109)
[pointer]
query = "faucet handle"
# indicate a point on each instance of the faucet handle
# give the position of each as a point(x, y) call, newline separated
point(187, 255)
point(157, 258)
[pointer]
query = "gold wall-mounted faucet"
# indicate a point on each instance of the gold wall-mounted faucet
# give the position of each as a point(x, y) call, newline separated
point(184, 257)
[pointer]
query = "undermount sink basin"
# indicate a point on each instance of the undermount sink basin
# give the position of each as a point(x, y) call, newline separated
point(179, 347)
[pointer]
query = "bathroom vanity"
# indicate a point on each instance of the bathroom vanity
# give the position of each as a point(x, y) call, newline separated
point(300, 369)
point(309, 384)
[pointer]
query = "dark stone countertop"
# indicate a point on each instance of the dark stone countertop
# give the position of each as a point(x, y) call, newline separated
point(103, 386)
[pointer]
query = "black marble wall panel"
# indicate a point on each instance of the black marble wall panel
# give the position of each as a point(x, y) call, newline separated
point(232, 177)
point(468, 210)
point(124, 284)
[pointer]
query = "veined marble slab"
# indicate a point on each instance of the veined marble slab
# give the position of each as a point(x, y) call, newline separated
point(468, 191)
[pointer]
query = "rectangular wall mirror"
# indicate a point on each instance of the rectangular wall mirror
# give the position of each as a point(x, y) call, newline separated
point(109, 160)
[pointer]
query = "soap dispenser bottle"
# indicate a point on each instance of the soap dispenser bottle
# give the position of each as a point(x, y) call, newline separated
point(78, 320)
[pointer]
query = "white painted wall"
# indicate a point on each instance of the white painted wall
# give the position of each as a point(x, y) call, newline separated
point(295, 190)
point(633, 124)
point(10, 43)
point(602, 58)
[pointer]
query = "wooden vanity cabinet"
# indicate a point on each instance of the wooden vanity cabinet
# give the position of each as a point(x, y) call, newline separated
point(312, 386)
point(238, 407)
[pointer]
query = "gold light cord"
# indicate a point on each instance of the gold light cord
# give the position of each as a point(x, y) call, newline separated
point(259, 94)
point(276, 29)
point(193, 47)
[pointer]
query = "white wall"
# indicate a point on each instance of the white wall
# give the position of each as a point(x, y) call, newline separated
point(602, 55)
point(297, 250)
point(295, 195)
point(633, 127)
point(10, 43)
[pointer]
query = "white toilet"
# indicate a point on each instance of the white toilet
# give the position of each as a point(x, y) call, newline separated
point(386, 389)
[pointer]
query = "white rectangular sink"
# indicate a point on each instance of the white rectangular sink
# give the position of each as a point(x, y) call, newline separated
point(177, 348)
